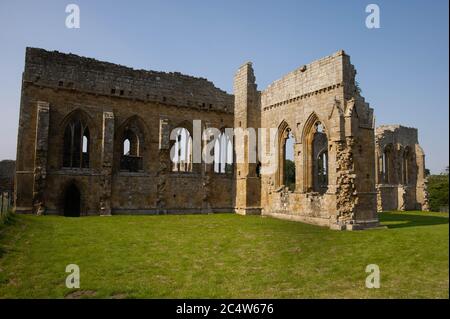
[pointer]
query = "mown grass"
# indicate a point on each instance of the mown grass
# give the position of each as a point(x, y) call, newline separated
point(222, 256)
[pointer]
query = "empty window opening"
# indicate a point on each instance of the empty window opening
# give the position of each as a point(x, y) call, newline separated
point(126, 147)
point(289, 162)
point(76, 145)
point(386, 165)
point(223, 154)
point(319, 159)
point(258, 169)
point(182, 154)
point(131, 159)
point(286, 160)
point(322, 163)
point(406, 167)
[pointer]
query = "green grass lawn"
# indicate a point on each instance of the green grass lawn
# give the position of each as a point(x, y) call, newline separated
point(222, 256)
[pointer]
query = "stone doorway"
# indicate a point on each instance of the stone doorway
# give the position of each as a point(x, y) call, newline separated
point(72, 201)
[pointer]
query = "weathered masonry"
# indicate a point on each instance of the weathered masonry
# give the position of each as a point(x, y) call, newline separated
point(401, 182)
point(319, 105)
point(94, 139)
point(100, 138)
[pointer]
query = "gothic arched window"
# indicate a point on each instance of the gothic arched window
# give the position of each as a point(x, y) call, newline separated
point(386, 164)
point(182, 151)
point(132, 147)
point(223, 154)
point(315, 143)
point(76, 147)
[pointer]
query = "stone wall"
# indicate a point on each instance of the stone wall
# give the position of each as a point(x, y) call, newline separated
point(61, 86)
point(110, 100)
point(401, 180)
point(75, 73)
point(321, 92)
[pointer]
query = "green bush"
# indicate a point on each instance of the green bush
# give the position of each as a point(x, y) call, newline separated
point(438, 191)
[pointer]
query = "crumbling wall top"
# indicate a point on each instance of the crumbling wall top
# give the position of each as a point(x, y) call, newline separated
point(396, 134)
point(317, 75)
point(70, 71)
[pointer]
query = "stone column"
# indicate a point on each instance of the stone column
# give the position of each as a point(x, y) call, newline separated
point(107, 161)
point(247, 114)
point(165, 164)
point(207, 170)
point(40, 156)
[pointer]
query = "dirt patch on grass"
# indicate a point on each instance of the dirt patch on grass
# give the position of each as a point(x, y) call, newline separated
point(78, 294)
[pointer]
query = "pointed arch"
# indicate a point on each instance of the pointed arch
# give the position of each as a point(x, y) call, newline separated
point(77, 139)
point(315, 155)
point(223, 153)
point(132, 134)
point(387, 164)
point(312, 120)
point(285, 173)
point(82, 115)
point(407, 165)
point(137, 122)
point(182, 147)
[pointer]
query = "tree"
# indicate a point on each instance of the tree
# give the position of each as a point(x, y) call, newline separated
point(438, 190)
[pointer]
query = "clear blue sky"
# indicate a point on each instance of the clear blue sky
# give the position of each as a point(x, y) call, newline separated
point(402, 67)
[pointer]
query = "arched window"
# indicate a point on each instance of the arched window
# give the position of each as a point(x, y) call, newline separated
point(182, 155)
point(380, 168)
point(289, 162)
point(407, 166)
point(322, 165)
point(131, 155)
point(85, 144)
point(223, 154)
point(320, 154)
point(315, 150)
point(76, 146)
point(386, 164)
point(126, 147)
point(286, 162)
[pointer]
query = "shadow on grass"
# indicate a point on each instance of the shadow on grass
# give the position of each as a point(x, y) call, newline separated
point(399, 220)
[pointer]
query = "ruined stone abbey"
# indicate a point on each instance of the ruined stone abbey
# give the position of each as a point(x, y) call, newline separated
point(96, 138)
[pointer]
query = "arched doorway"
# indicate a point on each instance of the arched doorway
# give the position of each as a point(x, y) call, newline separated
point(72, 201)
